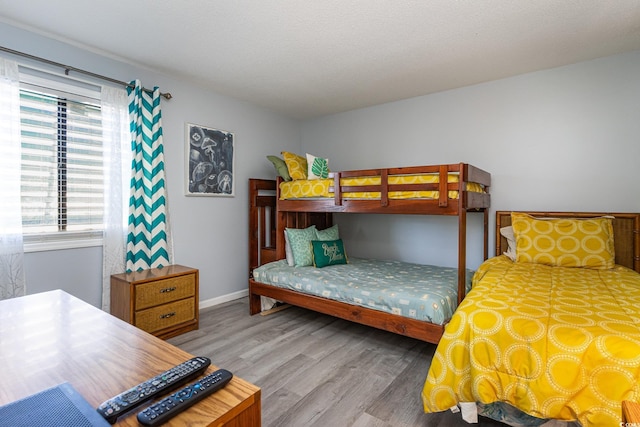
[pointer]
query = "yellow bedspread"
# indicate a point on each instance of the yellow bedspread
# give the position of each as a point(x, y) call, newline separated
point(305, 188)
point(554, 342)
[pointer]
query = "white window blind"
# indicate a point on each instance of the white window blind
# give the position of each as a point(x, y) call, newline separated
point(62, 162)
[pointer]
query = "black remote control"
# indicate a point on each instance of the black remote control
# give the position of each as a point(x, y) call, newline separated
point(160, 384)
point(171, 406)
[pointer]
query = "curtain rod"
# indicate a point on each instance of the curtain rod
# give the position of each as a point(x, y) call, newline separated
point(68, 68)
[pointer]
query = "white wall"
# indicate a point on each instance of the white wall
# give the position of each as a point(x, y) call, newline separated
point(209, 233)
point(566, 139)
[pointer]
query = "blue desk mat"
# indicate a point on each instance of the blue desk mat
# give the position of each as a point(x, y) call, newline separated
point(60, 406)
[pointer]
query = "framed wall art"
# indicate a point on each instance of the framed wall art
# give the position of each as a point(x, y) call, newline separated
point(210, 161)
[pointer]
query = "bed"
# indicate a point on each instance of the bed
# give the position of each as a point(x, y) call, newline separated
point(452, 190)
point(552, 336)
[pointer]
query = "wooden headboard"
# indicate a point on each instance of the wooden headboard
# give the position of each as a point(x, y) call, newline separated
point(626, 231)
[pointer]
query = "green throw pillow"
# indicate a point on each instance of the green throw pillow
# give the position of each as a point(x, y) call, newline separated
point(328, 252)
point(299, 239)
point(330, 233)
point(281, 167)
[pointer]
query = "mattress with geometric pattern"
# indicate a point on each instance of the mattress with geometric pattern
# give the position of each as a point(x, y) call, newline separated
point(422, 292)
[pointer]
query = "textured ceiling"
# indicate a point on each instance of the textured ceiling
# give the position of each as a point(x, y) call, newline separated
point(311, 58)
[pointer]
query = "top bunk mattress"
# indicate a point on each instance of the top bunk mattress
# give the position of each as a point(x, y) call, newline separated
point(422, 292)
point(322, 188)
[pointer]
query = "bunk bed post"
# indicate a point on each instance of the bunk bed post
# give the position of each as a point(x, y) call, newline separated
point(486, 234)
point(462, 234)
point(281, 223)
point(636, 244)
point(253, 225)
point(462, 254)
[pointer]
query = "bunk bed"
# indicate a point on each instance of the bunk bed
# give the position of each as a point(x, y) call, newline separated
point(451, 189)
point(549, 331)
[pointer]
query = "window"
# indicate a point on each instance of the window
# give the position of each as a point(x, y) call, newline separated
point(62, 167)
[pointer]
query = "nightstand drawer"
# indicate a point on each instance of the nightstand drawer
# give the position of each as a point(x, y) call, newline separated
point(165, 316)
point(165, 290)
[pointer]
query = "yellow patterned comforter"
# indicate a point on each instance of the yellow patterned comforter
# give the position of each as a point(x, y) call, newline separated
point(318, 188)
point(554, 342)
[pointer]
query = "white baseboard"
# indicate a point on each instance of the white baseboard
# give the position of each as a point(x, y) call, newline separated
point(222, 299)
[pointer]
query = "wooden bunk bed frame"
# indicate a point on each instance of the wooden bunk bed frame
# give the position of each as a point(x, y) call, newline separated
point(269, 216)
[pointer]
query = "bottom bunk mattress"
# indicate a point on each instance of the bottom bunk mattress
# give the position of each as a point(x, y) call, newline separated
point(421, 292)
point(555, 342)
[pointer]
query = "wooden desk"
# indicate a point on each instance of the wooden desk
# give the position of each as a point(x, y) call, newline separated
point(50, 338)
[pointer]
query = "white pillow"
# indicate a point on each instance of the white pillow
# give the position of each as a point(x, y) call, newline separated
point(507, 233)
point(287, 250)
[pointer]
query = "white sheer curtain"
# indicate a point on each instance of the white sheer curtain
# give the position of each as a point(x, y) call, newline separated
point(117, 164)
point(12, 277)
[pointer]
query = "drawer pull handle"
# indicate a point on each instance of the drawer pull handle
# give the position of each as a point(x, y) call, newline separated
point(166, 316)
point(165, 290)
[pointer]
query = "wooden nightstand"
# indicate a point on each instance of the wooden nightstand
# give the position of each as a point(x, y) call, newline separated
point(161, 301)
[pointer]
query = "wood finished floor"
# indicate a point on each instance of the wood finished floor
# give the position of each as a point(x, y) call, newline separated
point(319, 371)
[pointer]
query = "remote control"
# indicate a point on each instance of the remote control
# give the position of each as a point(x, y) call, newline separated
point(160, 384)
point(171, 406)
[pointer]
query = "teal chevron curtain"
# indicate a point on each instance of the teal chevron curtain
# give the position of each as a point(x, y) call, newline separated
point(148, 236)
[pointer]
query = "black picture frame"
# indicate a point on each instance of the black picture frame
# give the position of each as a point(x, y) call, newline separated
point(210, 160)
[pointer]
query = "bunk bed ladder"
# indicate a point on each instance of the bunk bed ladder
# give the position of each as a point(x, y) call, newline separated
point(262, 217)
